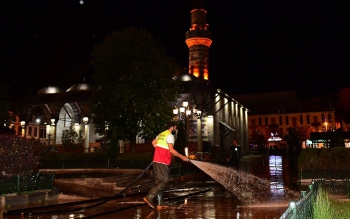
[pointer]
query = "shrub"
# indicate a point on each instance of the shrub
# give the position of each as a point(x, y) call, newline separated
point(17, 156)
point(336, 158)
point(325, 207)
point(71, 140)
point(321, 206)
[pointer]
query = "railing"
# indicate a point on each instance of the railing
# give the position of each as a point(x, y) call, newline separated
point(18, 184)
point(303, 209)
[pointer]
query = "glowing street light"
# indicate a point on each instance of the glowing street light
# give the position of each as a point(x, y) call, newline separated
point(23, 123)
point(86, 135)
point(185, 113)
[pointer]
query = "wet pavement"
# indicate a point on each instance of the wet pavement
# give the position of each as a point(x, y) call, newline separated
point(214, 202)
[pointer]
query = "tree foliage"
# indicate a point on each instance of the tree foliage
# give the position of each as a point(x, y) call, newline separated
point(4, 100)
point(133, 85)
point(258, 138)
point(294, 139)
point(70, 138)
point(114, 149)
point(303, 132)
point(17, 155)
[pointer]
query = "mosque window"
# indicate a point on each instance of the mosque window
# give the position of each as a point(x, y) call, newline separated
point(329, 117)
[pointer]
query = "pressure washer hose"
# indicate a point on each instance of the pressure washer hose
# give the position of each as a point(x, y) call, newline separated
point(94, 205)
point(121, 192)
point(131, 184)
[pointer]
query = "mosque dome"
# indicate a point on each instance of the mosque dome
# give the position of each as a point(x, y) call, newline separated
point(50, 90)
point(79, 87)
point(186, 77)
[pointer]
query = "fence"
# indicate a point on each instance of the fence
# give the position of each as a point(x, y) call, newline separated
point(18, 184)
point(303, 209)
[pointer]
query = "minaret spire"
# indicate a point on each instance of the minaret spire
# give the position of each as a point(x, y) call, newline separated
point(198, 40)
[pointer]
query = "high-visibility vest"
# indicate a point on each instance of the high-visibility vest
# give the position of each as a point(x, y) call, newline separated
point(161, 140)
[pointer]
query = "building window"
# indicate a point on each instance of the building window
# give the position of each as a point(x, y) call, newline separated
point(29, 131)
point(307, 119)
point(280, 118)
point(322, 118)
point(301, 119)
point(19, 130)
point(260, 122)
point(287, 120)
point(35, 132)
point(253, 122)
point(273, 121)
point(329, 117)
point(42, 133)
point(266, 121)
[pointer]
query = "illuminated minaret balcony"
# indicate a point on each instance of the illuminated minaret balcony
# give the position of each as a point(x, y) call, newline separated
point(198, 40)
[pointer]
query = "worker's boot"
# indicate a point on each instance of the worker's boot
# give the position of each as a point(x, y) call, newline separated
point(150, 196)
point(161, 203)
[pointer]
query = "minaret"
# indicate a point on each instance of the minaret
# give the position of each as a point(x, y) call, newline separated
point(198, 40)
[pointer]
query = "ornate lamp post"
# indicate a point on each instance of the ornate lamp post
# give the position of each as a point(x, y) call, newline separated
point(185, 113)
point(86, 135)
point(53, 131)
point(23, 124)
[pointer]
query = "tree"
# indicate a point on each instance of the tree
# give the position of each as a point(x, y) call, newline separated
point(293, 139)
point(17, 155)
point(70, 138)
point(303, 133)
point(4, 100)
point(114, 149)
point(258, 138)
point(133, 85)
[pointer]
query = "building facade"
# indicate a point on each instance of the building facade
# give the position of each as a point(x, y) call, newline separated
point(271, 115)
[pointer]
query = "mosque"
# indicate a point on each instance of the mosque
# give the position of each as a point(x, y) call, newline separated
point(210, 115)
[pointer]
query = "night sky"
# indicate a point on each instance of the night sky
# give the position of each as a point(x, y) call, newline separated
point(258, 46)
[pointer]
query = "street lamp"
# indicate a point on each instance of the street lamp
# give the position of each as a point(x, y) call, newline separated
point(86, 135)
point(85, 119)
point(182, 113)
point(185, 113)
point(23, 123)
point(52, 133)
point(198, 113)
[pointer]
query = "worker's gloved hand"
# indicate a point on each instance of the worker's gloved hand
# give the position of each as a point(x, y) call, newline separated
point(184, 158)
